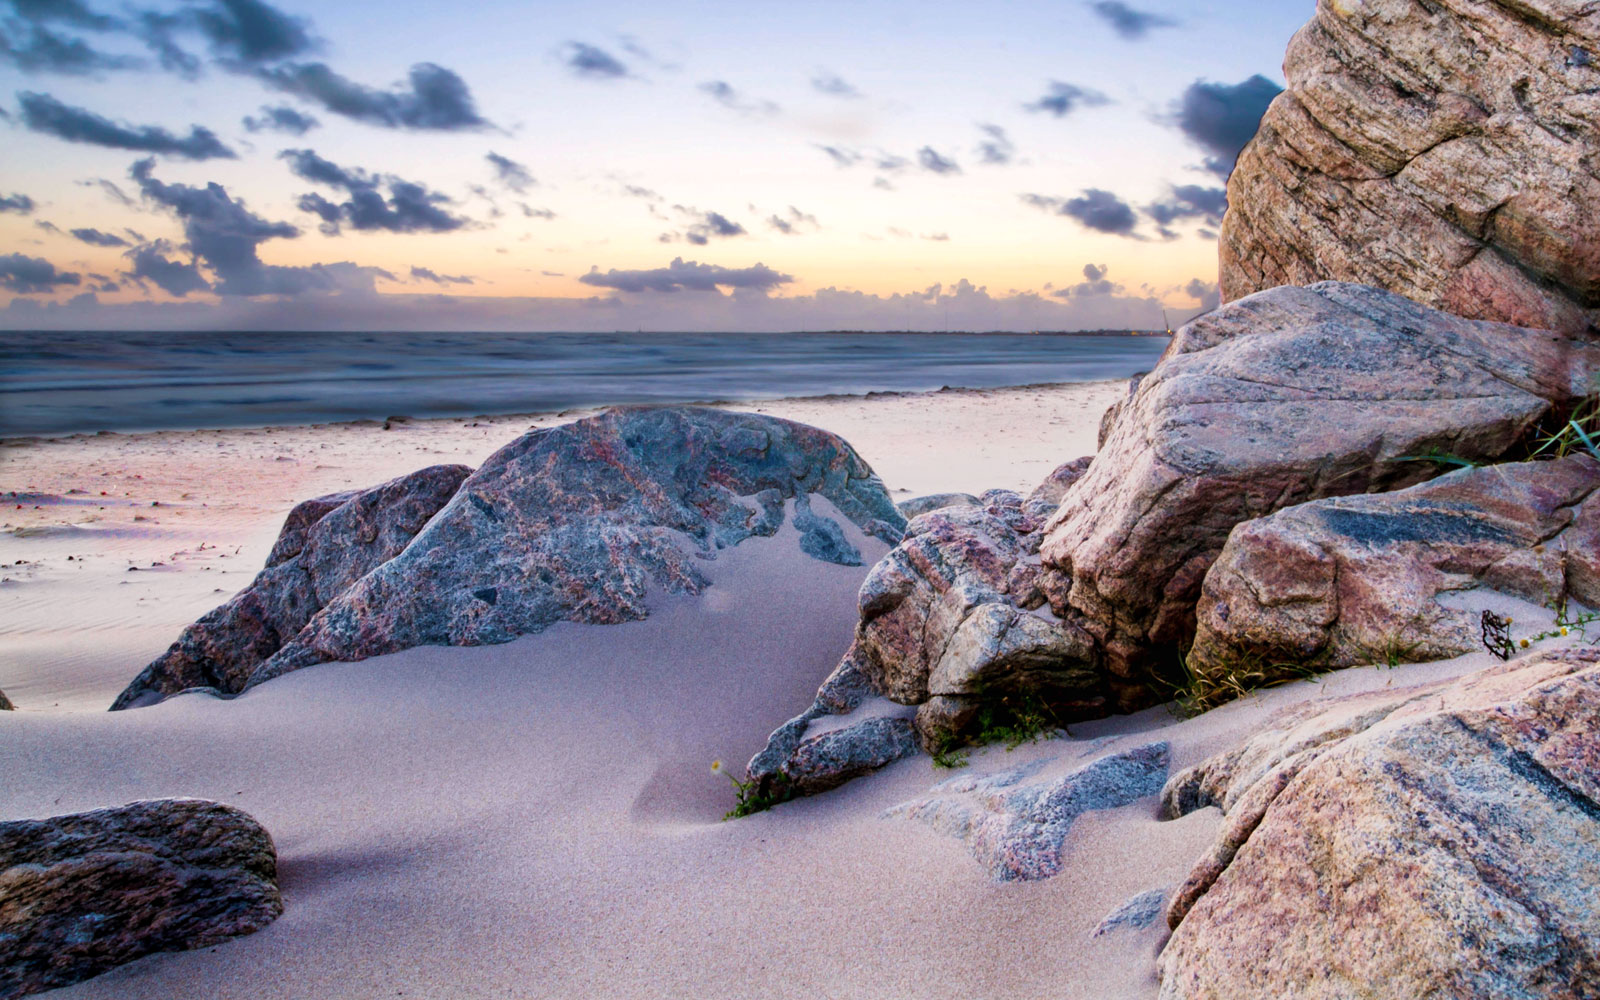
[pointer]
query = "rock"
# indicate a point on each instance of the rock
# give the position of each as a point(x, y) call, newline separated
point(1356, 580)
point(1136, 914)
point(325, 546)
point(1441, 843)
point(579, 522)
point(1016, 822)
point(5, 703)
point(80, 894)
point(918, 506)
point(1440, 150)
point(1288, 396)
point(1046, 497)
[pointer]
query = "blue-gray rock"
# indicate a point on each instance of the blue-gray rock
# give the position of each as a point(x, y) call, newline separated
point(1016, 822)
point(581, 522)
point(1136, 914)
point(917, 506)
point(83, 893)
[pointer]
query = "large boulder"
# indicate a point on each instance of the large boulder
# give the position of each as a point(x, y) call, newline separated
point(1355, 580)
point(1288, 396)
point(1437, 842)
point(325, 546)
point(1441, 149)
point(80, 894)
point(579, 522)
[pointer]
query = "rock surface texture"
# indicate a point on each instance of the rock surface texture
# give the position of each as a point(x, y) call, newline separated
point(1436, 842)
point(1288, 396)
point(80, 894)
point(1016, 821)
point(948, 619)
point(579, 522)
point(1347, 581)
point(325, 546)
point(1441, 149)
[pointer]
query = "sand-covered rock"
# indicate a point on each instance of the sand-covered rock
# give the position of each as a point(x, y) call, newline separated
point(581, 522)
point(325, 546)
point(1016, 821)
point(1354, 580)
point(1433, 842)
point(1285, 397)
point(1442, 150)
point(917, 506)
point(80, 894)
point(1136, 914)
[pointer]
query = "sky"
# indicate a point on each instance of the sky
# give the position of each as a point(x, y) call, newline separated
point(873, 164)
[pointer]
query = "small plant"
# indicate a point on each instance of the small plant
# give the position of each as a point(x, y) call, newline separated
point(752, 798)
point(1581, 431)
point(1496, 634)
point(950, 758)
point(1014, 720)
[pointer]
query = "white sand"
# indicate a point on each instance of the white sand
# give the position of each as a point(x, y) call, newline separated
point(539, 819)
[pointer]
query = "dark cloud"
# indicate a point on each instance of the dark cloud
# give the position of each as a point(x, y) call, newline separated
point(426, 274)
point(529, 212)
point(593, 62)
point(26, 275)
point(996, 148)
point(1064, 98)
point(1207, 292)
point(48, 226)
point(433, 98)
point(73, 12)
point(834, 85)
point(18, 203)
point(176, 278)
point(1221, 118)
point(281, 118)
point(96, 238)
point(724, 94)
point(43, 113)
point(841, 157)
point(1128, 22)
point(410, 207)
point(1188, 201)
point(705, 227)
point(1098, 210)
point(249, 31)
point(34, 48)
point(111, 191)
point(794, 222)
point(689, 276)
point(513, 175)
point(933, 162)
point(1094, 283)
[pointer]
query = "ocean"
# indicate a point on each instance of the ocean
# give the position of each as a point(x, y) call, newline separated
point(64, 383)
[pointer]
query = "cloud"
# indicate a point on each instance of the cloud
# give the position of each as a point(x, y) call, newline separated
point(1188, 201)
point(1128, 22)
point(1221, 118)
point(249, 31)
point(688, 276)
point(840, 156)
point(724, 94)
point(593, 63)
point(34, 48)
point(1207, 292)
point(794, 222)
point(49, 227)
point(834, 85)
point(150, 263)
point(18, 203)
point(529, 212)
point(1064, 98)
point(932, 162)
point(513, 175)
point(26, 275)
point(426, 274)
point(1095, 209)
point(432, 99)
point(1094, 283)
point(997, 149)
point(281, 118)
point(96, 238)
point(410, 207)
point(43, 113)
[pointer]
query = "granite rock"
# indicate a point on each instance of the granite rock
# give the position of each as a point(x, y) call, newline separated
point(1136, 914)
point(1433, 842)
point(1287, 396)
point(83, 893)
point(1355, 580)
point(917, 506)
point(325, 546)
point(1440, 149)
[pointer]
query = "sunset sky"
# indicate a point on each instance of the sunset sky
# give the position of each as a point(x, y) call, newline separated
point(612, 165)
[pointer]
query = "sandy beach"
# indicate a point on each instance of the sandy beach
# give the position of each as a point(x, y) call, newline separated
point(540, 819)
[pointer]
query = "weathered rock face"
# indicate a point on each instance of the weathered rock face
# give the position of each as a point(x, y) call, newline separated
point(83, 893)
point(1285, 397)
point(1346, 581)
point(1437, 842)
point(578, 522)
point(1441, 149)
point(326, 545)
point(1016, 821)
